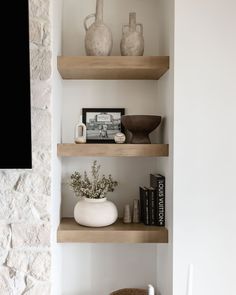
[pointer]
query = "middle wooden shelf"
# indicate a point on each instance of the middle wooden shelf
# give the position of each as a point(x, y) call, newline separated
point(112, 150)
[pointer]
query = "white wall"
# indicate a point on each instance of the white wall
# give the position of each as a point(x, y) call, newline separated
point(165, 16)
point(92, 269)
point(204, 146)
point(99, 269)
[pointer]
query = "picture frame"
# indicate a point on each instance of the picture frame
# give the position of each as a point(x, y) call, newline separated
point(102, 124)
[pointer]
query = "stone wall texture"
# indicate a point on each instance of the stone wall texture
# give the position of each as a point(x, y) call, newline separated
point(25, 194)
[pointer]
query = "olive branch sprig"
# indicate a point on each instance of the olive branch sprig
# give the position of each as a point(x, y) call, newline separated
point(96, 187)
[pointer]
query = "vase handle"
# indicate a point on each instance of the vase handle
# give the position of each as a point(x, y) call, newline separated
point(141, 27)
point(85, 20)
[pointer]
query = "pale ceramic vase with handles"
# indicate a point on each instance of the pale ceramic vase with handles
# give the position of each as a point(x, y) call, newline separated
point(95, 212)
point(98, 38)
point(132, 42)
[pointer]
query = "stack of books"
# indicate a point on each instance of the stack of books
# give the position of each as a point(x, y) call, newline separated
point(152, 201)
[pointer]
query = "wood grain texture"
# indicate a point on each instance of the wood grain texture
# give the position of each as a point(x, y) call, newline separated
point(112, 150)
point(71, 232)
point(112, 67)
point(130, 291)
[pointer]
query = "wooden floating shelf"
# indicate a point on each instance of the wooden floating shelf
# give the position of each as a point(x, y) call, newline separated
point(112, 67)
point(71, 232)
point(112, 150)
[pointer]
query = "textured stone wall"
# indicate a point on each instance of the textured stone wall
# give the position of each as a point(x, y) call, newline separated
point(25, 194)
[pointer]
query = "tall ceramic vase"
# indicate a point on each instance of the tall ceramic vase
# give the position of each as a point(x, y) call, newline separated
point(98, 38)
point(132, 42)
point(95, 212)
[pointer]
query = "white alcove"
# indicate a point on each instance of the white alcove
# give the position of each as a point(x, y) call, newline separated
point(92, 269)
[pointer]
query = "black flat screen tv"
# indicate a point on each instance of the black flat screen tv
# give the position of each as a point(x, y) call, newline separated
point(15, 122)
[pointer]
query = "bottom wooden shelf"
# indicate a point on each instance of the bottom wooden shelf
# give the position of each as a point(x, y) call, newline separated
point(71, 232)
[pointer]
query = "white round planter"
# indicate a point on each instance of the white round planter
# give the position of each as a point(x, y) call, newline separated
point(95, 212)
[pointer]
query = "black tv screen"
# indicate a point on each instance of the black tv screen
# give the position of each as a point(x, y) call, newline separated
point(15, 122)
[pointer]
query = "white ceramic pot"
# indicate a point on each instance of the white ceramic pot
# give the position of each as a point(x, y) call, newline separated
point(95, 212)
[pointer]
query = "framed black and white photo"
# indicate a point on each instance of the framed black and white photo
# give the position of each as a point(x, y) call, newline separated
point(102, 124)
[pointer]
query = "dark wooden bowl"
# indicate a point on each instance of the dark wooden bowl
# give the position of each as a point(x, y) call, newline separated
point(130, 291)
point(140, 126)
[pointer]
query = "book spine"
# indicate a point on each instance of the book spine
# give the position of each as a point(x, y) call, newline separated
point(144, 204)
point(146, 207)
point(153, 180)
point(160, 221)
point(152, 205)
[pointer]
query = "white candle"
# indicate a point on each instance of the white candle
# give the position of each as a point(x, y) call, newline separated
point(151, 290)
point(190, 280)
point(80, 139)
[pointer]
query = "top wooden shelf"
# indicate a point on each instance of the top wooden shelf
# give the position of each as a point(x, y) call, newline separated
point(113, 67)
